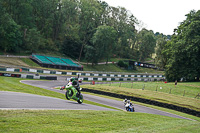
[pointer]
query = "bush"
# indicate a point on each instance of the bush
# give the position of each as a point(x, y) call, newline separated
point(122, 64)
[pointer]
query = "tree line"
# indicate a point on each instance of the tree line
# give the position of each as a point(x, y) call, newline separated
point(81, 29)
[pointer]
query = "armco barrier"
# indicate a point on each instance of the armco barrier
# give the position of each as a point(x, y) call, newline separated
point(101, 76)
point(29, 76)
point(147, 101)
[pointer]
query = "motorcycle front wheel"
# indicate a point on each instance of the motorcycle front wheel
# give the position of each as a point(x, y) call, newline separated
point(69, 94)
point(80, 100)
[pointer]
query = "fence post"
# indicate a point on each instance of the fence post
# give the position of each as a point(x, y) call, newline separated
point(197, 96)
point(120, 84)
point(170, 91)
point(156, 88)
point(184, 93)
point(143, 87)
point(132, 85)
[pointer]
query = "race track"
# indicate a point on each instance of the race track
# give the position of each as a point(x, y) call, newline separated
point(50, 85)
point(17, 100)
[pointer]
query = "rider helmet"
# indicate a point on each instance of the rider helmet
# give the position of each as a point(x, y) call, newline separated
point(125, 100)
point(72, 79)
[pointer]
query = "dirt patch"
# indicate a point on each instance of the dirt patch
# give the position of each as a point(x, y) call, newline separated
point(12, 61)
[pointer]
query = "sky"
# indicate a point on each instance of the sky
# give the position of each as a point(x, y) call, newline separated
point(158, 15)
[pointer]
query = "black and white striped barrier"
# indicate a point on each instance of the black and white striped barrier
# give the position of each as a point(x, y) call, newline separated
point(95, 76)
point(27, 76)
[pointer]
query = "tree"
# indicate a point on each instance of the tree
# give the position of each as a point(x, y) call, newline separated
point(34, 41)
point(183, 50)
point(10, 35)
point(91, 55)
point(71, 47)
point(104, 41)
point(90, 12)
point(146, 43)
point(124, 23)
point(160, 59)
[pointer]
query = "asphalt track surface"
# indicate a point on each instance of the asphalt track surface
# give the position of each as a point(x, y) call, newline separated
point(17, 100)
point(66, 104)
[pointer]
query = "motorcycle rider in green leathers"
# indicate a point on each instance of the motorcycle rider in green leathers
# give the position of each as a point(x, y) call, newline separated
point(75, 84)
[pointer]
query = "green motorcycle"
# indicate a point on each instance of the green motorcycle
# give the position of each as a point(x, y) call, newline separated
point(72, 93)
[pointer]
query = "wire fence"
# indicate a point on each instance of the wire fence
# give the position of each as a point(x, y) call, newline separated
point(181, 90)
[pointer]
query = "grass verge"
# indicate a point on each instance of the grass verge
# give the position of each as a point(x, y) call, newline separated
point(186, 89)
point(91, 121)
point(29, 62)
point(13, 84)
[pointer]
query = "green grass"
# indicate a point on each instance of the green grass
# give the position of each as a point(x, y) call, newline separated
point(91, 121)
point(148, 70)
point(110, 60)
point(115, 68)
point(108, 67)
point(29, 62)
point(191, 89)
point(136, 91)
point(14, 84)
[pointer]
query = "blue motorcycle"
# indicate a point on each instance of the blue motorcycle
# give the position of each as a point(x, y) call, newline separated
point(128, 106)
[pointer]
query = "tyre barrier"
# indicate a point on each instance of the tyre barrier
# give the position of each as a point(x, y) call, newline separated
point(146, 101)
point(10, 75)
